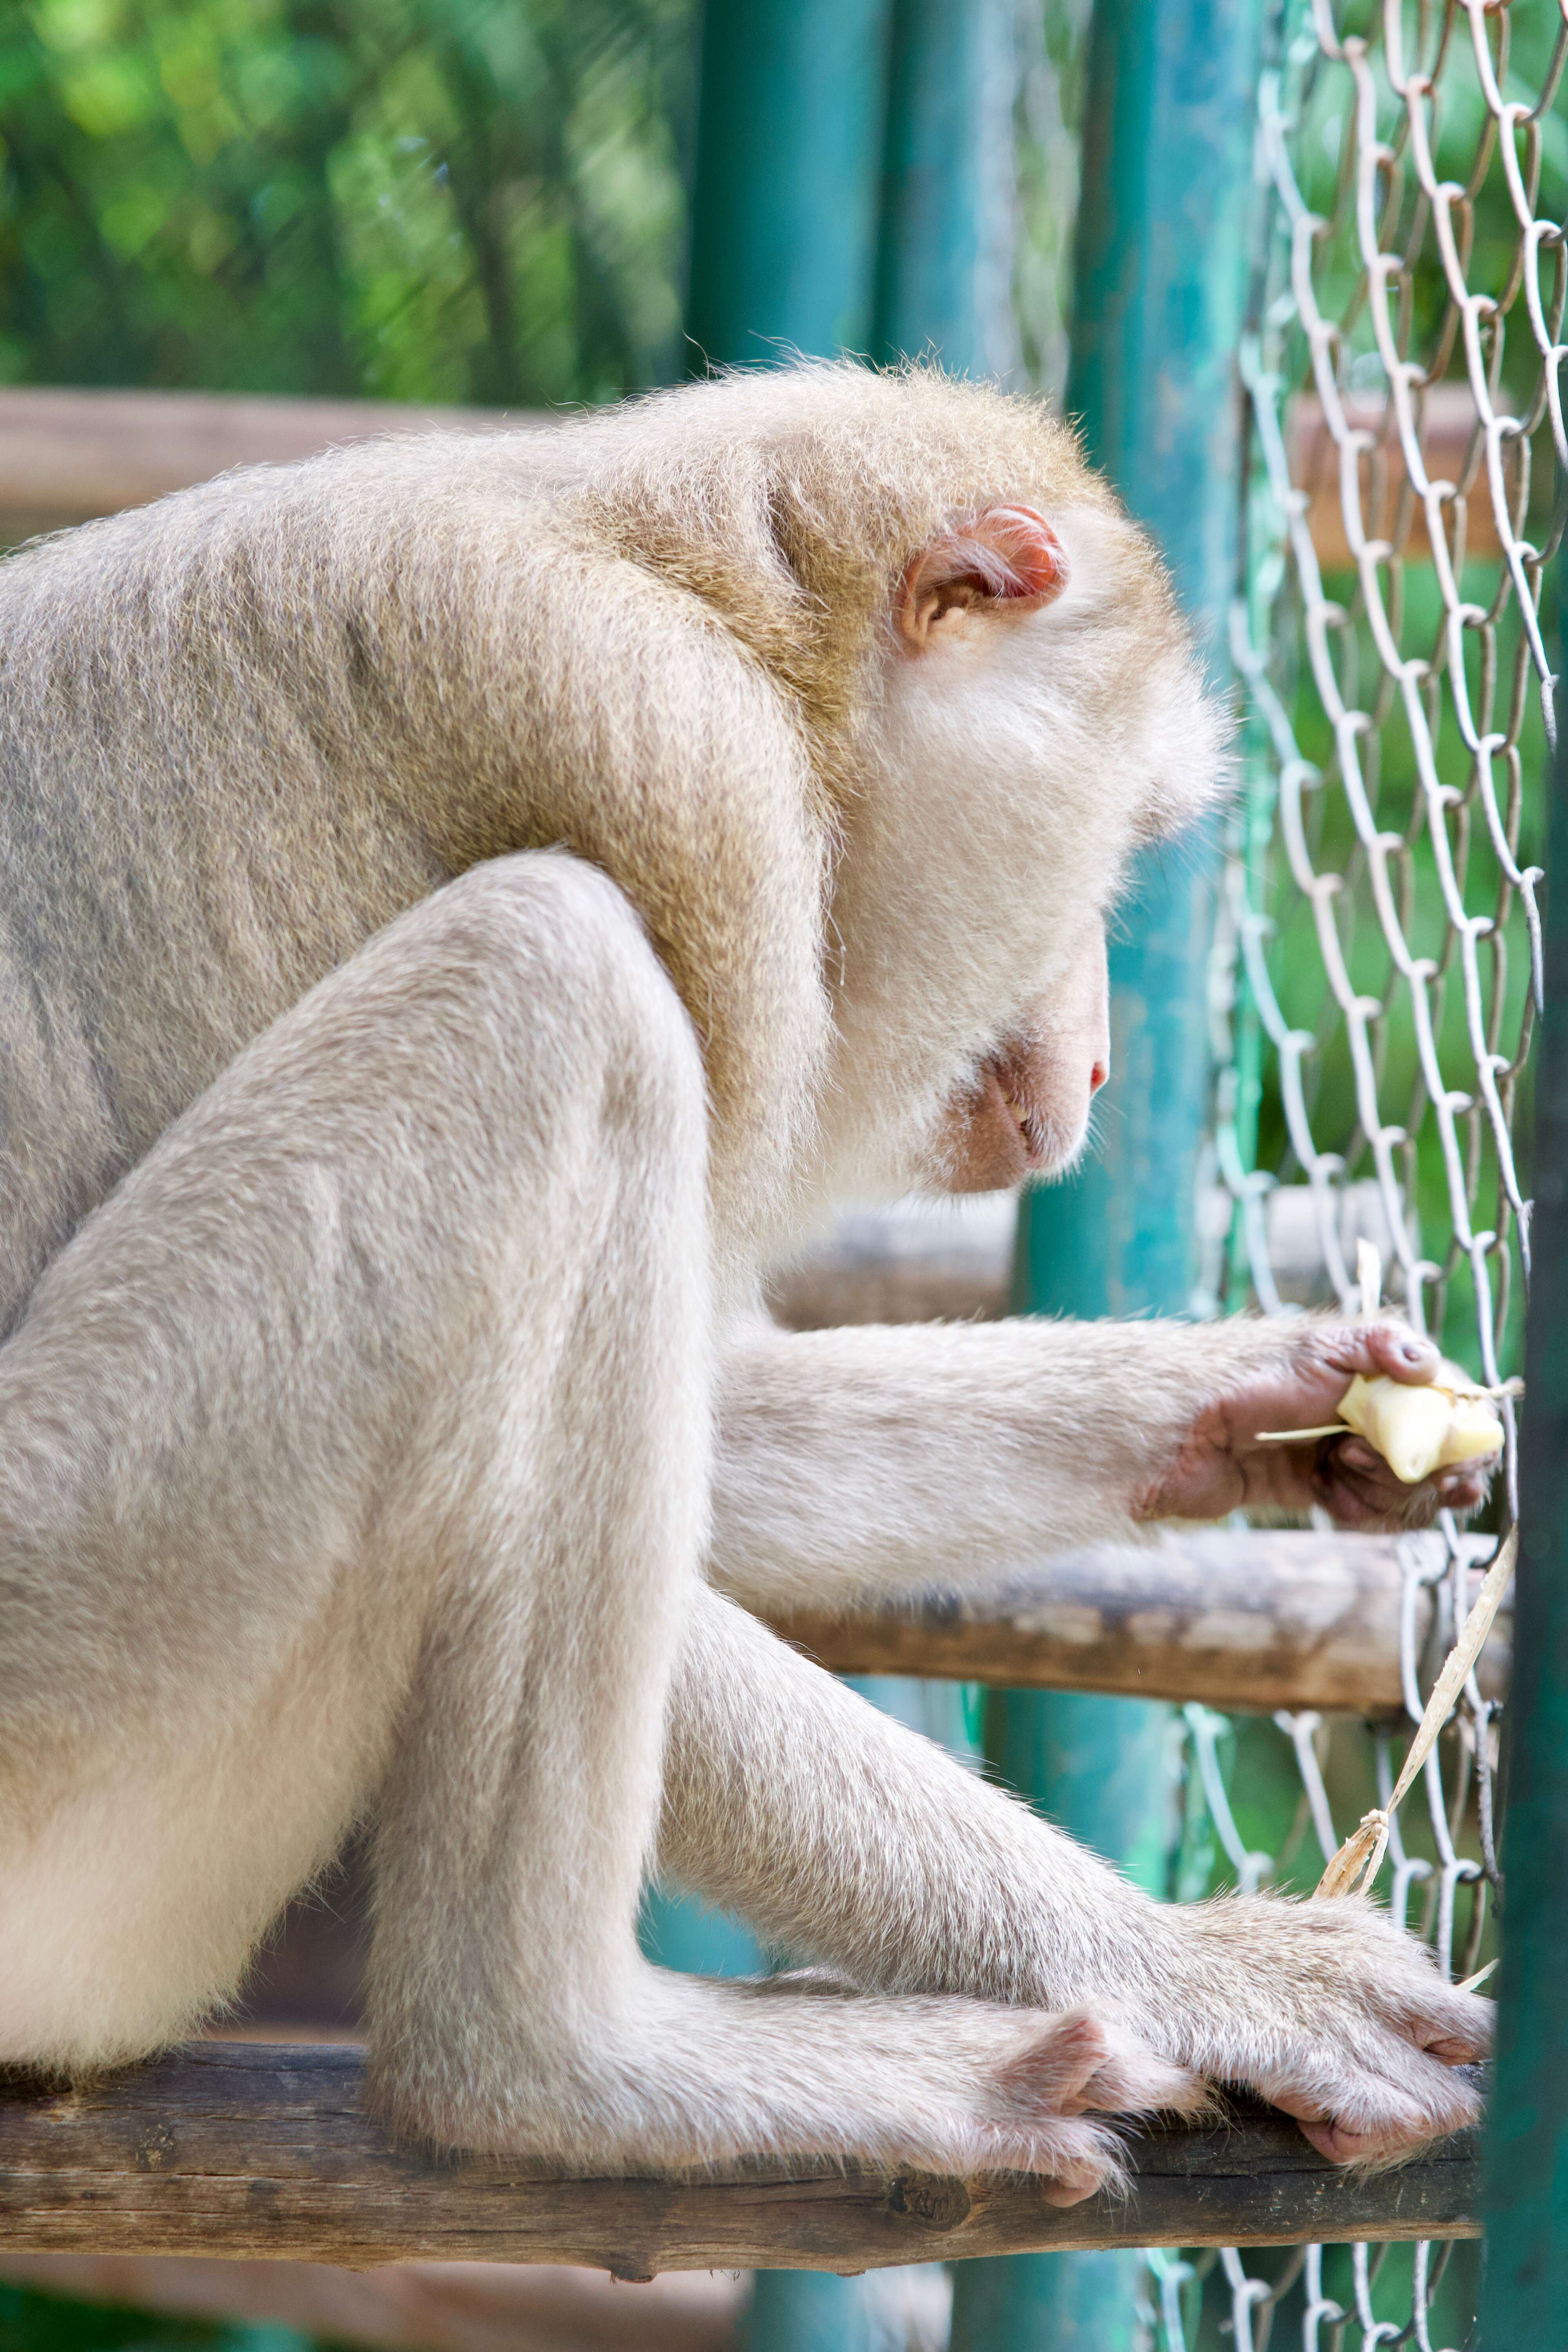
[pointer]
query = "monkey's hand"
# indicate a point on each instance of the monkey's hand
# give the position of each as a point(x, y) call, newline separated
point(1221, 1465)
point(1327, 2010)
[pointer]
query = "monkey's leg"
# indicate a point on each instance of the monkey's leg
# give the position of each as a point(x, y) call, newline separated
point(354, 1458)
point(847, 1838)
point(509, 2006)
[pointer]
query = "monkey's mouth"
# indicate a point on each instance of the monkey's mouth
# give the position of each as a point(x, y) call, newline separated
point(1032, 1130)
point(1001, 1132)
point(1044, 1145)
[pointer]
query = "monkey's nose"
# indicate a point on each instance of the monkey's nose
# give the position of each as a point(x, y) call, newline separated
point(1099, 1074)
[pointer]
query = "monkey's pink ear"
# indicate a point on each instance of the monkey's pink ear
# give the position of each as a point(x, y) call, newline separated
point(1002, 556)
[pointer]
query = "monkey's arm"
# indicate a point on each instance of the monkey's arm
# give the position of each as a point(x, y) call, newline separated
point(872, 1461)
point(843, 1837)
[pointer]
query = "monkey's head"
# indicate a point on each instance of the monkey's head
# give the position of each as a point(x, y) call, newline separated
point(1030, 713)
point(1001, 705)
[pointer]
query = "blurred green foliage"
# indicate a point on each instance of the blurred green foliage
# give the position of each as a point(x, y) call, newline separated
point(46, 2323)
point(463, 200)
point(1425, 325)
point(1466, 153)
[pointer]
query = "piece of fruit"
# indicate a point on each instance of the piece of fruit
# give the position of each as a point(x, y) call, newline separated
point(1424, 1428)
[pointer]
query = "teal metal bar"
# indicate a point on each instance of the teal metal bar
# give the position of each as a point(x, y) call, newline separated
point(1524, 2297)
point(1161, 277)
point(785, 203)
point(790, 117)
point(944, 260)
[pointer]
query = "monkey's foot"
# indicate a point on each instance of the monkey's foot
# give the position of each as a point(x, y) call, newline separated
point(1329, 2011)
point(717, 2071)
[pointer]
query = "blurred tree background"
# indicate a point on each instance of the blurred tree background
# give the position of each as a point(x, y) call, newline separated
point(426, 200)
point(434, 200)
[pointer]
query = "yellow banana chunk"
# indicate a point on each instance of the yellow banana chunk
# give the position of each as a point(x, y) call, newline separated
point(1424, 1428)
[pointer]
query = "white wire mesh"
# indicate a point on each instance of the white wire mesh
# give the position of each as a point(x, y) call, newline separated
point(1377, 968)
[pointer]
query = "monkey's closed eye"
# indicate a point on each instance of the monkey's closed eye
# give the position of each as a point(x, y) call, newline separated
point(1001, 557)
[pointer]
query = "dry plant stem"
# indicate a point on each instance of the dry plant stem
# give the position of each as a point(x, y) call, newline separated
point(1363, 1849)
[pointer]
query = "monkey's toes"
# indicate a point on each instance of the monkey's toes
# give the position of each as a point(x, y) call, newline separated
point(1071, 2160)
point(1081, 2064)
point(1371, 2120)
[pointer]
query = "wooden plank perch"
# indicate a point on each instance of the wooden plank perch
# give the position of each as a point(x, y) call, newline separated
point(242, 2149)
point(67, 454)
point(1249, 1618)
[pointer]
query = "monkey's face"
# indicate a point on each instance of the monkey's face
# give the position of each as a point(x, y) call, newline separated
point(1038, 716)
point(1026, 1112)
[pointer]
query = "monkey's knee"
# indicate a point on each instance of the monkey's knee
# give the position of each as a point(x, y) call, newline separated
point(565, 966)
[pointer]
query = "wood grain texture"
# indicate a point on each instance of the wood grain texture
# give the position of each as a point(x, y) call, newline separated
point(1242, 1619)
point(247, 2150)
point(67, 455)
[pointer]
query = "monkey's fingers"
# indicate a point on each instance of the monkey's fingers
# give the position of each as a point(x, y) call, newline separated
point(1353, 2116)
point(1356, 1487)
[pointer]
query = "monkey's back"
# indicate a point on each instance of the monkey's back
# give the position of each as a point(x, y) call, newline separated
point(242, 728)
point(210, 713)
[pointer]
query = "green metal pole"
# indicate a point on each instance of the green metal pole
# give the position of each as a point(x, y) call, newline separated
point(791, 115)
point(944, 261)
point(1161, 276)
point(943, 284)
point(790, 119)
point(944, 288)
point(1524, 2297)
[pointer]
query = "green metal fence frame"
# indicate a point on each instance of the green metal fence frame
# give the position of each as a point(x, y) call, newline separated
point(842, 201)
point(1524, 2295)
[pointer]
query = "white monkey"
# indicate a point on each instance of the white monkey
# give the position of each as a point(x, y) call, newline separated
point(469, 906)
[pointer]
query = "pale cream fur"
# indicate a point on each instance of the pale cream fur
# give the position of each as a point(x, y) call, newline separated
point(474, 904)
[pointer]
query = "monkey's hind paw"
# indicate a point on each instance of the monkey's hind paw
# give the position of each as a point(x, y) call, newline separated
point(1083, 2064)
point(1073, 2066)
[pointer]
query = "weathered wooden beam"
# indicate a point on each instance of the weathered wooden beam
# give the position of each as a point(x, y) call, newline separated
point(1450, 446)
point(250, 2149)
point(67, 455)
point(1249, 1619)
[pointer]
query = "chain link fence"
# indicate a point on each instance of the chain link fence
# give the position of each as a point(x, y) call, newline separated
point(1377, 965)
